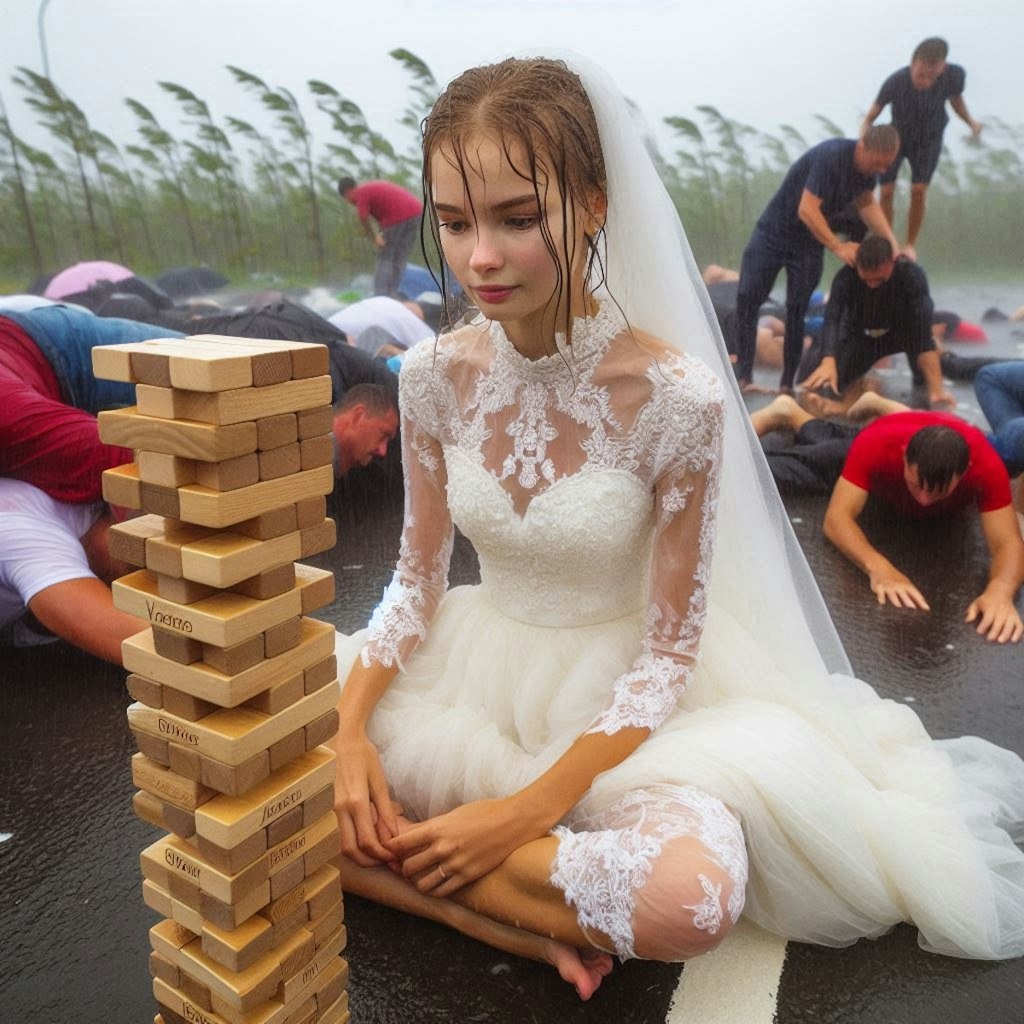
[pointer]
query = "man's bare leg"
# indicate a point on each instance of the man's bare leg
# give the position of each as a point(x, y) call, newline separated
point(871, 405)
point(515, 908)
point(915, 217)
point(780, 414)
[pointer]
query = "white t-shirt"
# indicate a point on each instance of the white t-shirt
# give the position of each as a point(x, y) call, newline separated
point(389, 314)
point(39, 544)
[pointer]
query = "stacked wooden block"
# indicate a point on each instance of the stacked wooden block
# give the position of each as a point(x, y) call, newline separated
point(235, 687)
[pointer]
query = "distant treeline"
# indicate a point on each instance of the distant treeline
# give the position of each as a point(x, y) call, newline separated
point(247, 198)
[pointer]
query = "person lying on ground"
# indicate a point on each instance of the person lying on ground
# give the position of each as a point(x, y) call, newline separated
point(49, 398)
point(876, 308)
point(922, 465)
point(55, 573)
point(918, 95)
point(372, 322)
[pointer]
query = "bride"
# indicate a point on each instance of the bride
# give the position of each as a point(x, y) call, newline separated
point(621, 739)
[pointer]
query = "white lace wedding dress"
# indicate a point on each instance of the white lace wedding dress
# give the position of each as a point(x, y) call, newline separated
point(587, 482)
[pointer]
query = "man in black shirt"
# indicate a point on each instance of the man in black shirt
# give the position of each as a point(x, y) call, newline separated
point(918, 95)
point(793, 232)
point(876, 308)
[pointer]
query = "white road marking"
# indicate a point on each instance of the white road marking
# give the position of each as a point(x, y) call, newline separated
point(4, 836)
point(738, 982)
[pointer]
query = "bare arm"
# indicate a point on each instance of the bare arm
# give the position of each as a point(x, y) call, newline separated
point(999, 619)
point(842, 529)
point(809, 212)
point(869, 119)
point(82, 612)
point(931, 368)
point(960, 109)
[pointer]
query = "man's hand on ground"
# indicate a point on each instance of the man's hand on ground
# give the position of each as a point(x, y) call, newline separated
point(999, 619)
point(889, 584)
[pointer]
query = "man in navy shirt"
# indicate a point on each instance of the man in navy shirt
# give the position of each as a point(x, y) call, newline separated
point(794, 230)
point(876, 308)
point(918, 95)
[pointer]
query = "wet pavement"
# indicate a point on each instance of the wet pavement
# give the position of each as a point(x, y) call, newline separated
point(73, 927)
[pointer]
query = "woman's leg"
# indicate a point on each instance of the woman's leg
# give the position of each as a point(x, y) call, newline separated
point(660, 875)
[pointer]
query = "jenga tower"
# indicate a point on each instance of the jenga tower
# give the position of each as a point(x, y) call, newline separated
point(235, 688)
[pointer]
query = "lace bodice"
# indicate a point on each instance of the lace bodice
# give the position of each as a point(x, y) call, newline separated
point(586, 481)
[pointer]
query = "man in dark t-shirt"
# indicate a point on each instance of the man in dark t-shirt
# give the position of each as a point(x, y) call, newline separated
point(876, 308)
point(918, 95)
point(793, 231)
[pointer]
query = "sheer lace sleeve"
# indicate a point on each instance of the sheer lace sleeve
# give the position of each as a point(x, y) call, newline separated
point(686, 495)
point(420, 580)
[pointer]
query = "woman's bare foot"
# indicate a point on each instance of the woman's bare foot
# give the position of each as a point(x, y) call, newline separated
point(781, 413)
point(819, 407)
point(584, 969)
point(871, 405)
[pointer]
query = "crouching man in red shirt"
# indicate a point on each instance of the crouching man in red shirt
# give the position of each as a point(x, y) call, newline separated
point(926, 464)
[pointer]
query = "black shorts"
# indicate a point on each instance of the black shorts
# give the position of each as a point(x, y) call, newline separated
point(923, 157)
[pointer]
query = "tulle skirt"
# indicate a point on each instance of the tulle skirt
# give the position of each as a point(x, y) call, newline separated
point(854, 818)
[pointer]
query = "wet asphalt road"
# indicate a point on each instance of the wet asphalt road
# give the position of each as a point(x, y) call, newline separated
point(73, 927)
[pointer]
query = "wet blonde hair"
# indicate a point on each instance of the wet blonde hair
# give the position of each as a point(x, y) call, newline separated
point(540, 107)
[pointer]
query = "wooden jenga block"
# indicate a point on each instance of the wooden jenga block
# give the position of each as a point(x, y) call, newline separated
point(315, 585)
point(280, 462)
point(268, 583)
point(230, 474)
point(321, 729)
point(222, 509)
point(284, 906)
point(239, 405)
point(287, 877)
point(231, 861)
point(171, 857)
point(145, 691)
point(320, 969)
point(165, 470)
point(127, 541)
point(159, 500)
point(323, 890)
point(283, 637)
point(181, 590)
point(149, 808)
point(287, 825)
point(310, 512)
point(315, 422)
point(271, 368)
point(163, 551)
point(323, 850)
point(223, 619)
point(316, 806)
point(308, 359)
point(113, 362)
point(305, 1014)
point(179, 821)
point(316, 451)
point(173, 362)
point(151, 367)
point(320, 674)
point(182, 649)
point(276, 431)
point(267, 525)
point(337, 1012)
point(287, 749)
point(236, 658)
point(186, 705)
point(234, 735)
point(185, 891)
point(154, 747)
point(224, 559)
point(161, 782)
point(230, 915)
point(239, 949)
point(185, 438)
point(227, 821)
point(203, 681)
point(162, 968)
point(185, 761)
point(318, 538)
point(279, 696)
point(122, 486)
point(236, 779)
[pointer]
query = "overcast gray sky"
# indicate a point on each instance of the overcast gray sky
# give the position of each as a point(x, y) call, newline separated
point(759, 62)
